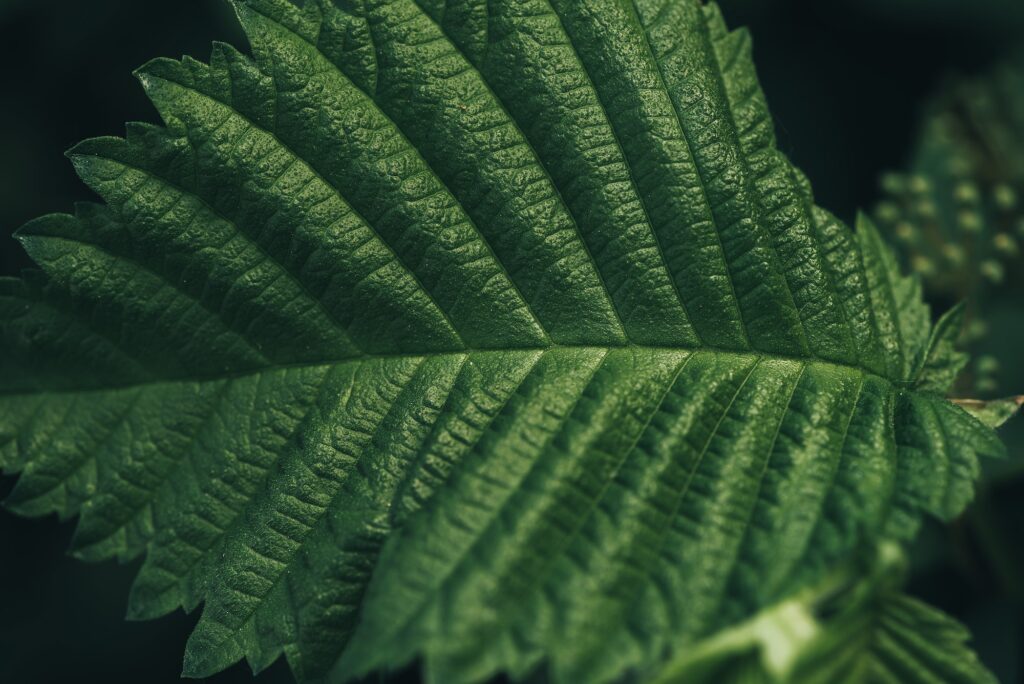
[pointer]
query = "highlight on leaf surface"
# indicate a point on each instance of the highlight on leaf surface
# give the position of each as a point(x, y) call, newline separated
point(853, 627)
point(497, 336)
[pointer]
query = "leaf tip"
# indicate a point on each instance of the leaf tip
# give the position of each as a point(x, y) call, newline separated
point(154, 72)
point(139, 611)
point(195, 667)
point(241, 9)
point(957, 310)
point(994, 413)
point(144, 74)
point(864, 221)
point(6, 505)
point(78, 156)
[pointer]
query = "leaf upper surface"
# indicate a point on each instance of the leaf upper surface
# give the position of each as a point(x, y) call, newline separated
point(496, 334)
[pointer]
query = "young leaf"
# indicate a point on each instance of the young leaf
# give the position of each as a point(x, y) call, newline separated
point(494, 334)
point(893, 638)
point(855, 628)
point(942, 362)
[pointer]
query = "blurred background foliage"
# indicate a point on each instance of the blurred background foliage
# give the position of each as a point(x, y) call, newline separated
point(956, 213)
point(911, 108)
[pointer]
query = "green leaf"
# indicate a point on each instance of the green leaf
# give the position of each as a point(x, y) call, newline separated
point(941, 362)
point(893, 638)
point(497, 335)
point(993, 413)
point(855, 628)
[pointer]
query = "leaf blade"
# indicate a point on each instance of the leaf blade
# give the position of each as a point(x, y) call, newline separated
point(384, 294)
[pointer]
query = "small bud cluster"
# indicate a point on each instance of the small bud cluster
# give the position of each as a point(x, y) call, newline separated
point(957, 218)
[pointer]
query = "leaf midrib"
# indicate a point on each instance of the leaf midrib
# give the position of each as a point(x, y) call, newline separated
point(328, 363)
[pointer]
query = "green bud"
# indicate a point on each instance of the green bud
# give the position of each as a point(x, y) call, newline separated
point(954, 254)
point(926, 209)
point(1005, 197)
point(966, 193)
point(1005, 245)
point(976, 330)
point(986, 386)
point(992, 271)
point(919, 185)
point(893, 183)
point(906, 232)
point(988, 365)
point(923, 265)
point(887, 212)
point(970, 221)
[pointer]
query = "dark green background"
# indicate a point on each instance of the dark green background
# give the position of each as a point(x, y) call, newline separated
point(845, 81)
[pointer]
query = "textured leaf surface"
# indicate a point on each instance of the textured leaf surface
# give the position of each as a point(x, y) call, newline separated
point(942, 361)
point(497, 334)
